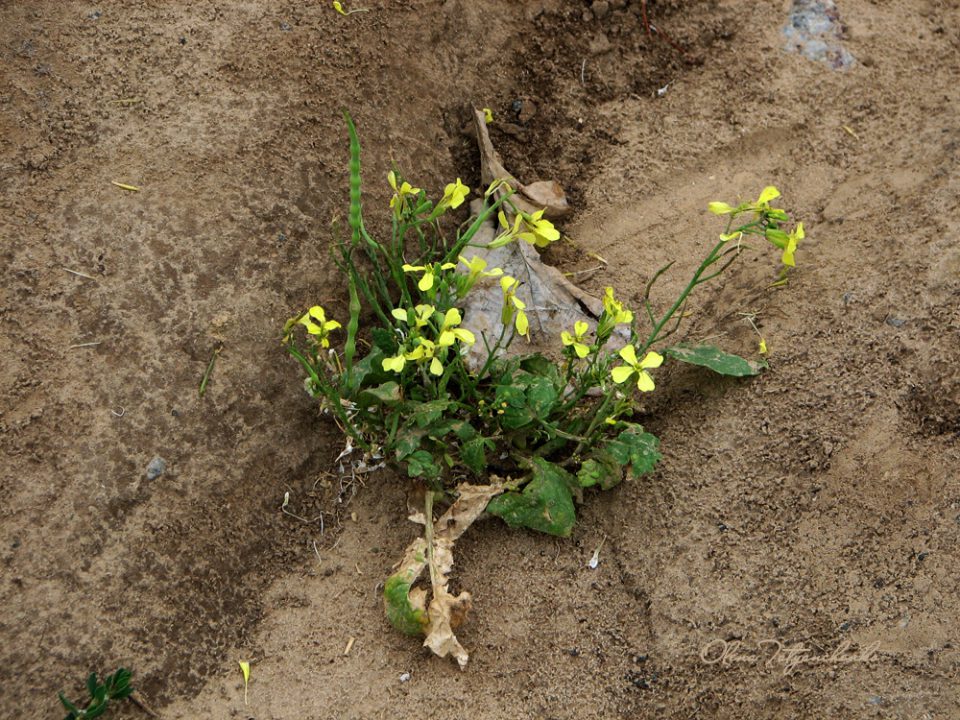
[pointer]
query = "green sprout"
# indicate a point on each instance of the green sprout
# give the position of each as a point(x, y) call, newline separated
point(114, 687)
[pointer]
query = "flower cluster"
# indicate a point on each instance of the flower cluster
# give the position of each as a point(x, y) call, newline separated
point(422, 350)
point(766, 222)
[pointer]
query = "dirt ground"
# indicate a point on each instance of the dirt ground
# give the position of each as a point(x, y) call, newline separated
point(818, 504)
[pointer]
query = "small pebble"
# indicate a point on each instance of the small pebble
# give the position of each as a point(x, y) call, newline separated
point(895, 321)
point(156, 468)
point(600, 8)
point(404, 677)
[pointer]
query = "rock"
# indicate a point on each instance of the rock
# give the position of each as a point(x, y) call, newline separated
point(156, 468)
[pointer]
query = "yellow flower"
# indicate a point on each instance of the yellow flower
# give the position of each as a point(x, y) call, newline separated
point(425, 351)
point(622, 373)
point(488, 115)
point(512, 305)
point(580, 329)
point(540, 232)
point(793, 239)
point(450, 333)
point(339, 8)
point(531, 228)
point(394, 363)
point(454, 194)
point(421, 315)
point(316, 323)
point(430, 273)
point(786, 242)
point(401, 192)
point(763, 346)
point(760, 207)
point(614, 308)
point(477, 268)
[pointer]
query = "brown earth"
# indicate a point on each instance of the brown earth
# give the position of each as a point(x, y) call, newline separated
point(816, 504)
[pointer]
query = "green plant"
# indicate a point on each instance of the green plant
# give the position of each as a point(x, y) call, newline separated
point(114, 687)
point(537, 429)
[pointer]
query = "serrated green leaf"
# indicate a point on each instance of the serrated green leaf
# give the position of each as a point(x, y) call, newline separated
point(635, 449)
point(545, 504)
point(421, 464)
point(401, 614)
point(386, 394)
point(473, 453)
point(716, 359)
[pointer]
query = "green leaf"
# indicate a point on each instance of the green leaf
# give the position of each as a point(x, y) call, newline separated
point(92, 683)
point(408, 440)
point(513, 401)
point(537, 364)
point(635, 449)
point(464, 430)
point(716, 359)
point(425, 413)
point(74, 710)
point(600, 470)
point(386, 394)
point(401, 614)
point(368, 371)
point(119, 687)
point(541, 396)
point(473, 453)
point(384, 340)
point(546, 503)
point(421, 464)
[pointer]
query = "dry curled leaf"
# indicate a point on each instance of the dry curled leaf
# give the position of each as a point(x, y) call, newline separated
point(406, 605)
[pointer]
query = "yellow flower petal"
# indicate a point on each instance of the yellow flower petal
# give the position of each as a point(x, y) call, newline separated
point(629, 354)
point(581, 350)
point(452, 318)
point(720, 208)
point(523, 325)
point(394, 364)
point(399, 314)
point(644, 382)
point(769, 193)
point(763, 346)
point(245, 669)
point(426, 282)
point(436, 367)
point(580, 328)
point(651, 360)
point(621, 373)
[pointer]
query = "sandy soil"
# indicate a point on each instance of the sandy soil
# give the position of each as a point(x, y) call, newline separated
point(818, 504)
